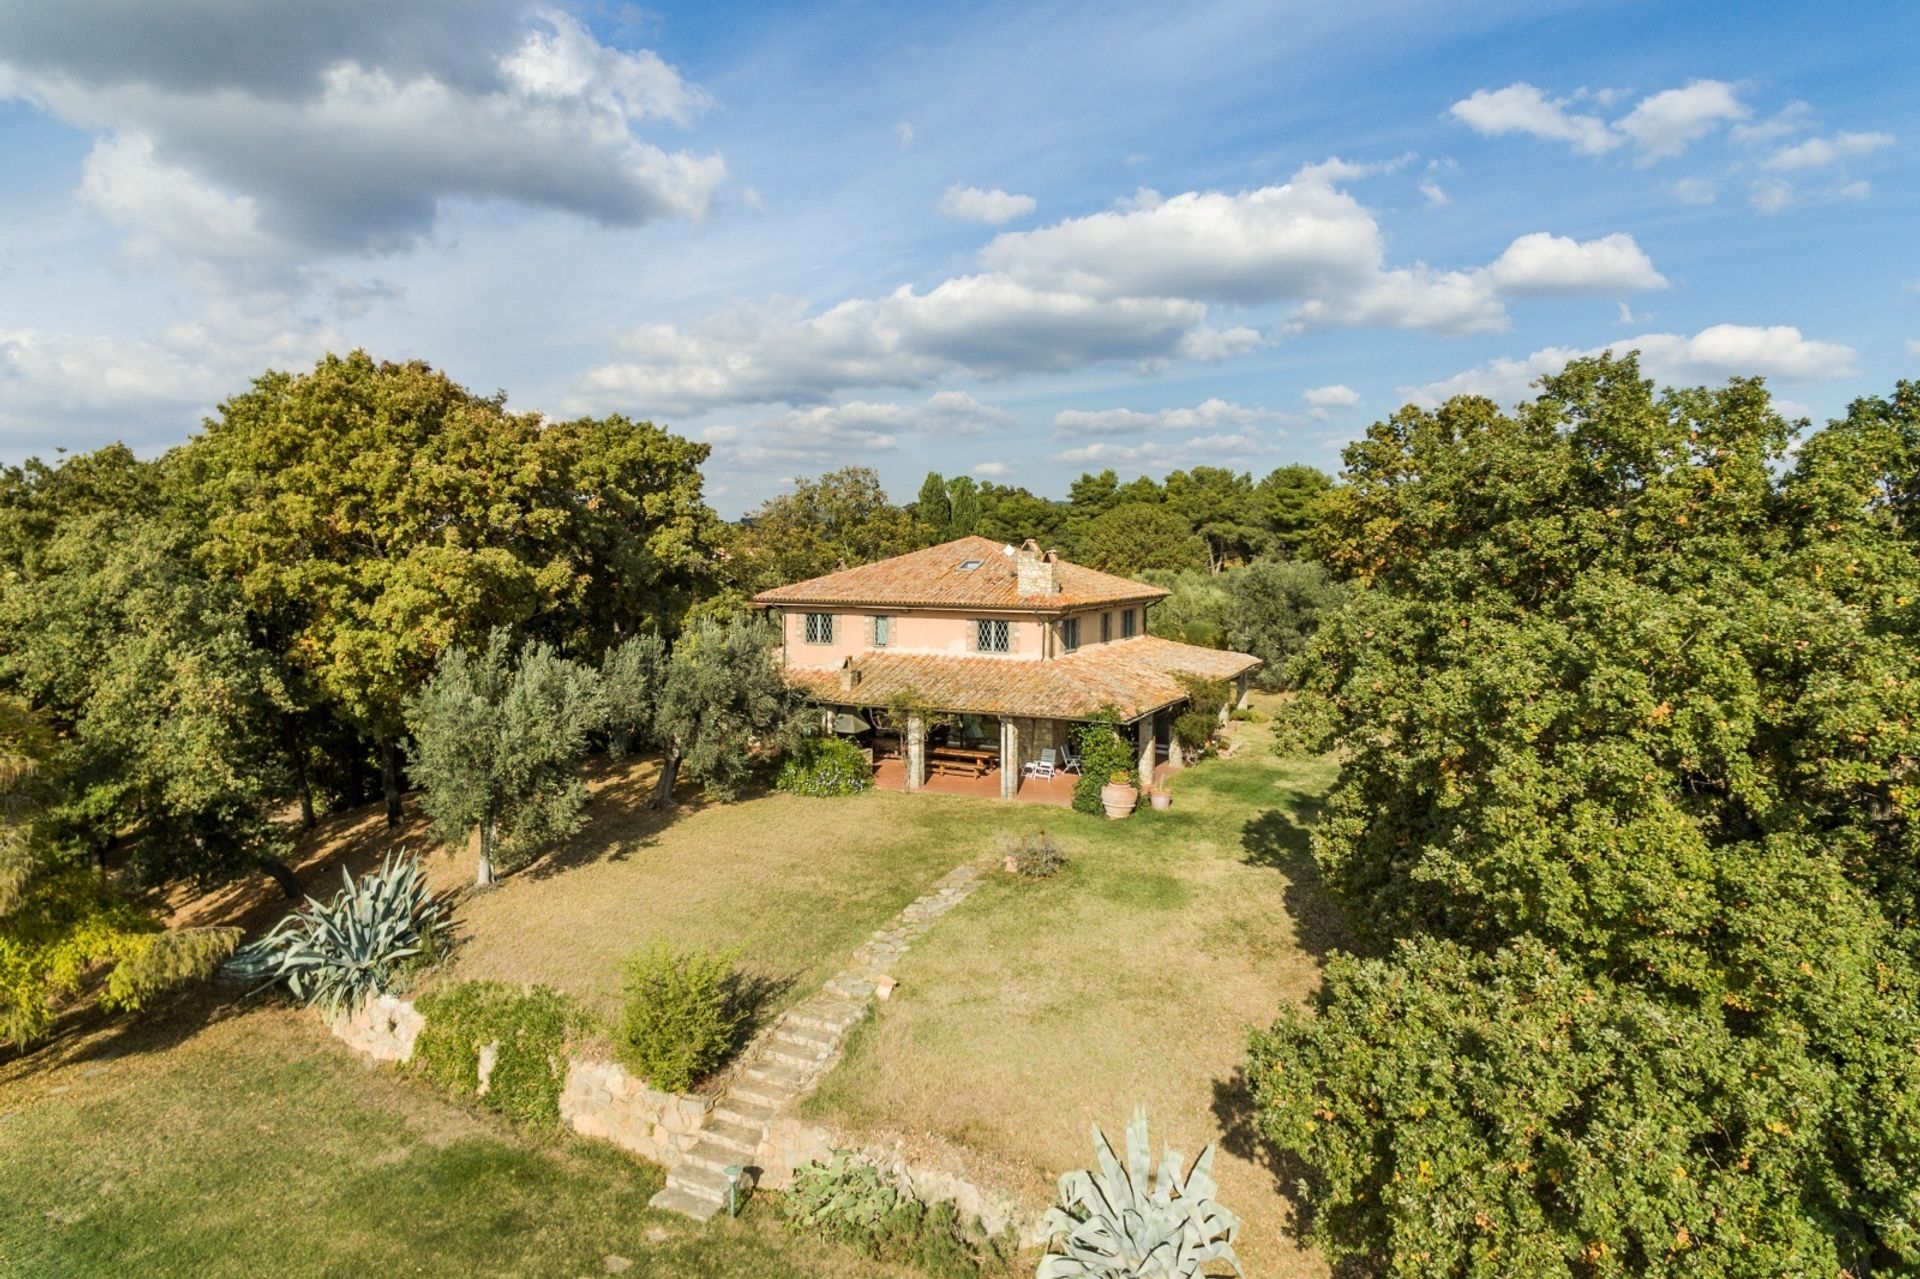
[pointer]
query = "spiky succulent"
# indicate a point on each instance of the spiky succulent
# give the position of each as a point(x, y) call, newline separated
point(1121, 1222)
point(336, 955)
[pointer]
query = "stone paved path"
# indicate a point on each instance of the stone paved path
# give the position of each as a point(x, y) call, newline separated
point(791, 1060)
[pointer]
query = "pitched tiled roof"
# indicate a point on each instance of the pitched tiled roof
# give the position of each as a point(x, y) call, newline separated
point(1133, 676)
point(933, 578)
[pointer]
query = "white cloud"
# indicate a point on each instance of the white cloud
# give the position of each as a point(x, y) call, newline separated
point(1434, 194)
point(1817, 153)
point(1212, 415)
point(1302, 241)
point(1521, 108)
point(1695, 191)
point(992, 470)
point(1770, 195)
point(1664, 124)
point(904, 132)
point(1331, 397)
point(975, 205)
point(1714, 354)
point(1133, 284)
point(1544, 265)
point(357, 151)
point(1157, 455)
point(1660, 125)
point(1913, 347)
point(831, 434)
point(984, 325)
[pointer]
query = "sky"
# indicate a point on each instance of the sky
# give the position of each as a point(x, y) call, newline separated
point(1015, 241)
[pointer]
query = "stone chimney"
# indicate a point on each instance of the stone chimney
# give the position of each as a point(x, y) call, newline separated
point(1036, 569)
point(849, 676)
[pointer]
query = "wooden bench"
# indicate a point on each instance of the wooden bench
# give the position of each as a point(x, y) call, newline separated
point(961, 761)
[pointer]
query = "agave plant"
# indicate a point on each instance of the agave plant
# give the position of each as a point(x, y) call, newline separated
point(336, 955)
point(1123, 1223)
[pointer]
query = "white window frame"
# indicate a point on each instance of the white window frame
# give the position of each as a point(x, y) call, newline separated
point(992, 635)
point(817, 628)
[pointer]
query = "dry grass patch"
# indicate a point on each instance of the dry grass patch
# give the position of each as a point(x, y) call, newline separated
point(1039, 1008)
point(255, 1144)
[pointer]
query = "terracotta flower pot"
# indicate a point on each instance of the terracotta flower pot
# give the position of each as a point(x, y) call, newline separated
point(1162, 800)
point(1119, 798)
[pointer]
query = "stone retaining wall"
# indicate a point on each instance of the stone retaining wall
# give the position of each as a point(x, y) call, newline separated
point(600, 1099)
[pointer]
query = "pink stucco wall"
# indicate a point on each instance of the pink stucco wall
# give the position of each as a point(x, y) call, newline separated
point(926, 632)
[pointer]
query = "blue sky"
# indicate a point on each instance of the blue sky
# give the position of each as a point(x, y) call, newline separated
point(1019, 241)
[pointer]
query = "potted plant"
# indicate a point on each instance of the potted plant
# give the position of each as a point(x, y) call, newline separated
point(1119, 795)
point(1162, 799)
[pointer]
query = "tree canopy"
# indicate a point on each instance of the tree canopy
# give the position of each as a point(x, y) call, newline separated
point(1627, 716)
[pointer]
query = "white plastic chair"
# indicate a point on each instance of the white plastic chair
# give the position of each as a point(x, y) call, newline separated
point(1042, 767)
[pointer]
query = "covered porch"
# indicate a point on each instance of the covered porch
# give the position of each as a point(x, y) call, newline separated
point(891, 774)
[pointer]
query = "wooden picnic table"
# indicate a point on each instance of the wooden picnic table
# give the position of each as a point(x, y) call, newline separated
point(967, 761)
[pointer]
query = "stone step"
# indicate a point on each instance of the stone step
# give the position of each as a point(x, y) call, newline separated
point(699, 1181)
point(734, 1109)
point(804, 1057)
point(671, 1200)
point(812, 1036)
point(776, 1075)
point(829, 1016)
point(760, 1093)
point(742, 1139)
point(713, 1157)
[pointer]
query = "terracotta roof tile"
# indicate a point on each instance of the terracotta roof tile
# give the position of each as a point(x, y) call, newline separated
point(1133, 676)
point(933, 578)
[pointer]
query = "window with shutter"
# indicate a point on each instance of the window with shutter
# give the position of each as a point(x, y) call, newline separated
point(1126, 623)
point(1070, 634)
point(882, 631)
point(819, 628)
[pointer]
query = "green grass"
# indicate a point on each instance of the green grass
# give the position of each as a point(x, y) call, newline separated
point(1040, 1008)
point(795, 883)
point(258, 1145)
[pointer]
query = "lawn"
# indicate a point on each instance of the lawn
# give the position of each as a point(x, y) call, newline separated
point(1037, 1009)
point(258, 1145)
point(1032, 1011)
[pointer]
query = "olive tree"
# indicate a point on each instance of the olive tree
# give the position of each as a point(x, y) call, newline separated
point(497, 744)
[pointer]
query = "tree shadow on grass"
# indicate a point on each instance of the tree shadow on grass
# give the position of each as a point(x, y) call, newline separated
point(1277, 839)
point(619, 821)
point(84, 1033)
point(1238, 1114)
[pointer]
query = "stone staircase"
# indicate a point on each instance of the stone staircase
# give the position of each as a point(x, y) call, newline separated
point(790, 1059)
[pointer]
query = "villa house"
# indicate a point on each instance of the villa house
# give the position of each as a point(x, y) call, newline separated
point(972, 660)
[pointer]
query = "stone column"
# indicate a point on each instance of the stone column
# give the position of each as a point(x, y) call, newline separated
point(916, 751)
point(1226, 711)
point(1144, 735)
point(1009, 758)
point(1176, 758)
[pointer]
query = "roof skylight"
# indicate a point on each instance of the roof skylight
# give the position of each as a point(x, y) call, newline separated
point(967, 566)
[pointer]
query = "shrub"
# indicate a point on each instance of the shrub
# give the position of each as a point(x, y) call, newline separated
point(336, 955)
point(1035, 856)
point(684, 1013)
point(1194, 729)
point(852, 1202)
point(1103, 752)
point(825, 766)
point(1118, 1223)
point(531, 1028)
